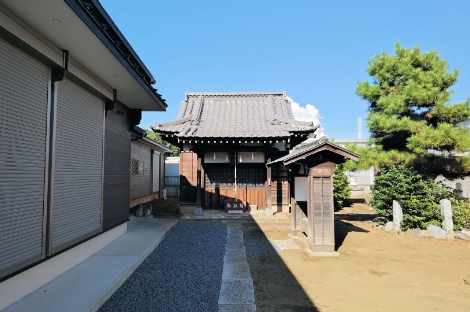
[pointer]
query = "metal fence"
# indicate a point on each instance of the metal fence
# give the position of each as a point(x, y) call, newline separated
point(172, 180)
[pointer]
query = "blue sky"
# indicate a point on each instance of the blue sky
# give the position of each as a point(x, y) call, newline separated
point(316, 51)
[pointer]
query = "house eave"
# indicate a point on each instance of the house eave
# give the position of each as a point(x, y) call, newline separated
point(99, 54)
point(100, 23)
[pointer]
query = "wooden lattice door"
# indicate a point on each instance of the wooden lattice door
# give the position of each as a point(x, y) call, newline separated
point(321, 212)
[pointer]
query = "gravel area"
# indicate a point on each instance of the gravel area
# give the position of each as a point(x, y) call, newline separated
point(256, 244)
point(183, 273)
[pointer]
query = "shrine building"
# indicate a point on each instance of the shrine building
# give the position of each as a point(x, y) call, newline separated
point(226, 140)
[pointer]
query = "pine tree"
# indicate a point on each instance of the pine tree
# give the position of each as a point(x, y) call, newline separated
point(175, 151)
point(409, 114)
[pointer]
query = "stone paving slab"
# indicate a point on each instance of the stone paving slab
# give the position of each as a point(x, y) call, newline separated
point(237, 291)
point(237, 308)
point(255, 215)
point(284, 244)
point(235, 243)
point(236, 269)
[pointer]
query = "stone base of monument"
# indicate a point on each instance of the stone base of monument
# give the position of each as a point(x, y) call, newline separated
point(317, 250)
point(322, 253)
point(298, 236)
point(269, 212)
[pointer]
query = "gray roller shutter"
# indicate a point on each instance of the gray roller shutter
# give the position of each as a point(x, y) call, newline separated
point(23, 124)
point(78, 165)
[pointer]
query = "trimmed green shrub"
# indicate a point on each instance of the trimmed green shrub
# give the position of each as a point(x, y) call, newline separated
point(341, 188)
point(418, 195)
point(460, 211)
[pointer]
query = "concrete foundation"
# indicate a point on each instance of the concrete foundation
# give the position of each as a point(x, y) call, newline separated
point(28, 281)
point(321, 248)
point(187, 209)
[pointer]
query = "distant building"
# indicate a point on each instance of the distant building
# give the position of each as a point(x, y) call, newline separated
point(462, 184)
point(360, 180)
point(147, 168)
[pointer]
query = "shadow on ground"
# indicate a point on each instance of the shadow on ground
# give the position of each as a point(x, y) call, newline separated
point(276, 288)
point(342, 229)
point(184, 272)
point(345, 220)
point(166, 208)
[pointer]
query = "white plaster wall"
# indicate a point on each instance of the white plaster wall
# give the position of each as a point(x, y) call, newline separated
point(300, 192)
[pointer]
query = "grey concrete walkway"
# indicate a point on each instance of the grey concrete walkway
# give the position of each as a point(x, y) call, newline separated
point(89, 284)
point(236, 293)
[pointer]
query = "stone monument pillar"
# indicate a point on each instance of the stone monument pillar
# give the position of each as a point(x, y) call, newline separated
point(448, 222)
point(397, 216)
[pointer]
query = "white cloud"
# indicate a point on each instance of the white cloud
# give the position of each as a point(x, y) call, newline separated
point(307, 113)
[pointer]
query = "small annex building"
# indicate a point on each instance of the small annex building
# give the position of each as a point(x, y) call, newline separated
point(311, 165)
point(226, 139)
point(71, 91)
point(147, 168)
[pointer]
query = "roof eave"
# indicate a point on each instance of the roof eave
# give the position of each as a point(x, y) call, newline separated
point(99, 22)
point(288, 159)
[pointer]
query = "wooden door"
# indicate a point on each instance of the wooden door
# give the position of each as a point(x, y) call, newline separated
point(220, 184)
point(188, 177)
point(321, 213)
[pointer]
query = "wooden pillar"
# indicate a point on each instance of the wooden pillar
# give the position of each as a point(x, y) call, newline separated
point(202, 183)
point(295, 214)
point(268, 185)
point(320, 210)
point(198, 210)
point(198, 196)
point(269, 209)
point(294, 218)
point(310, 196)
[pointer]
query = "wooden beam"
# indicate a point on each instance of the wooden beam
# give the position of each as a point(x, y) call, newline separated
point(198, 196)
point(268, 186)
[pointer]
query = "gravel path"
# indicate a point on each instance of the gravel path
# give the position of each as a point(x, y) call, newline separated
point(184, 272)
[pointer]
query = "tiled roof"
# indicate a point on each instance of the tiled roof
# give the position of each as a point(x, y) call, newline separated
point(230, 114)
point(302, 149)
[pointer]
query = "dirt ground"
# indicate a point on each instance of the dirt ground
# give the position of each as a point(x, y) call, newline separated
point(376, 271)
